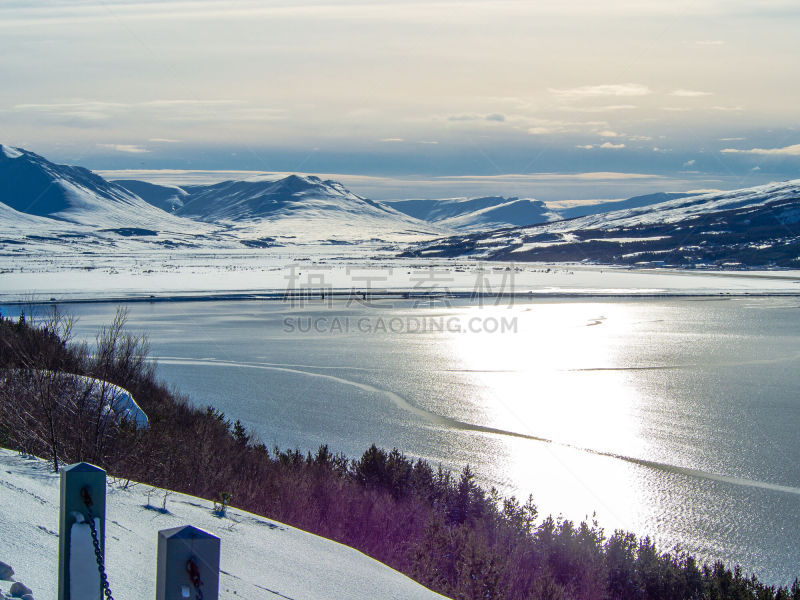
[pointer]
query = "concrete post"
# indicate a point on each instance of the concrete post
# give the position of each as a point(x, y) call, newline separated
point(74, 479)
point(184, 552)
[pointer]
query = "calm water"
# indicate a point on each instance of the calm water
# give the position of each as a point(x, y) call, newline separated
point(675, 418)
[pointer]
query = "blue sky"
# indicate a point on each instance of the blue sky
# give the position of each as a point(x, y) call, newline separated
point(556, 100)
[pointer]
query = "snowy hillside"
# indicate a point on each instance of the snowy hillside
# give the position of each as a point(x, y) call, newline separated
point(491, 212)
point(260, 558)
point(603, 207)
point(166, 197)
point(758, 226)
point(33, 185)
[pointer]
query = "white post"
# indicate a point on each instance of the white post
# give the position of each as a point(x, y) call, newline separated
point(79, 482)
point(188, 563)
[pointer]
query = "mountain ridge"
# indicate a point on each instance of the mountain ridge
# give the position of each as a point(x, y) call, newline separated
point(758, 226)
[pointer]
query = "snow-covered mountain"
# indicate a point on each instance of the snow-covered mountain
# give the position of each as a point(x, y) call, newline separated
point(262, 198)
point(299, 206)
point(49, 207)
point(31, 184)
point(259, 198)
point(473, 214)
point(758, 226)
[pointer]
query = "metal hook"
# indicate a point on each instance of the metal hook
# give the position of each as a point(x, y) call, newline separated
point(85, 496)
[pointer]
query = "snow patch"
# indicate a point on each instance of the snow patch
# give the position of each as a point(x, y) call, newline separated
point(118, 401)
point(10, 152)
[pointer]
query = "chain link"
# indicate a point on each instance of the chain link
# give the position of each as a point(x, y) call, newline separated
point(98, 553)
point(194, 575)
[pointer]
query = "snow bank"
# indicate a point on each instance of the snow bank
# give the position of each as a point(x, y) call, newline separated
point(260, 558)
point(118, 401)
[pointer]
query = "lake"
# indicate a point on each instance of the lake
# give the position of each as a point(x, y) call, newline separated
point(672, 417)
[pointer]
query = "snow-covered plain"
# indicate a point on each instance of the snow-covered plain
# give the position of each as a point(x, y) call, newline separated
point(269, 272)
point(260, 558)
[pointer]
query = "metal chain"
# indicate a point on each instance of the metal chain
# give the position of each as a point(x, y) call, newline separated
point(87, 500)
point(194, 575)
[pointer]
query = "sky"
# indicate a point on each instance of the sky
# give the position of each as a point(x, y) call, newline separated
point(559, 100)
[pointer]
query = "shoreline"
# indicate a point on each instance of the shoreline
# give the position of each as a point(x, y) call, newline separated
point(363, 294)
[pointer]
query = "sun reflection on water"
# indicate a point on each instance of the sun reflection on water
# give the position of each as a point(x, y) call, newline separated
point(557, 377)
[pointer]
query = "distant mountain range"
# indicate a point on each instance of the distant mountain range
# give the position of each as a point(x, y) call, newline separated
point(495, 212)
point(468, 214)
point(46, 203)
point(758, 226)
point(58, 207)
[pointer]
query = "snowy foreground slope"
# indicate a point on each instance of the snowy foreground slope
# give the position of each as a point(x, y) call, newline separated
point(260, 558)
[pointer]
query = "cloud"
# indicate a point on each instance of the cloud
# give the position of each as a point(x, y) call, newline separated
point(606, 145)
point(184, 103)
point(428, 142)
point(608, 133)
point(164, 141)
point(393, 140)
point(101, 106)
point(639, 138)
point(689, 93)
point(598, 109)
point(732, 139)
point(689, 163)
point(97, 112)
point(401, 183)
point(496, 117)
point(793, 150)
point(68, 106)
point(129, 148)
point(610, 89)
point(547, 126)
point(521, 177)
